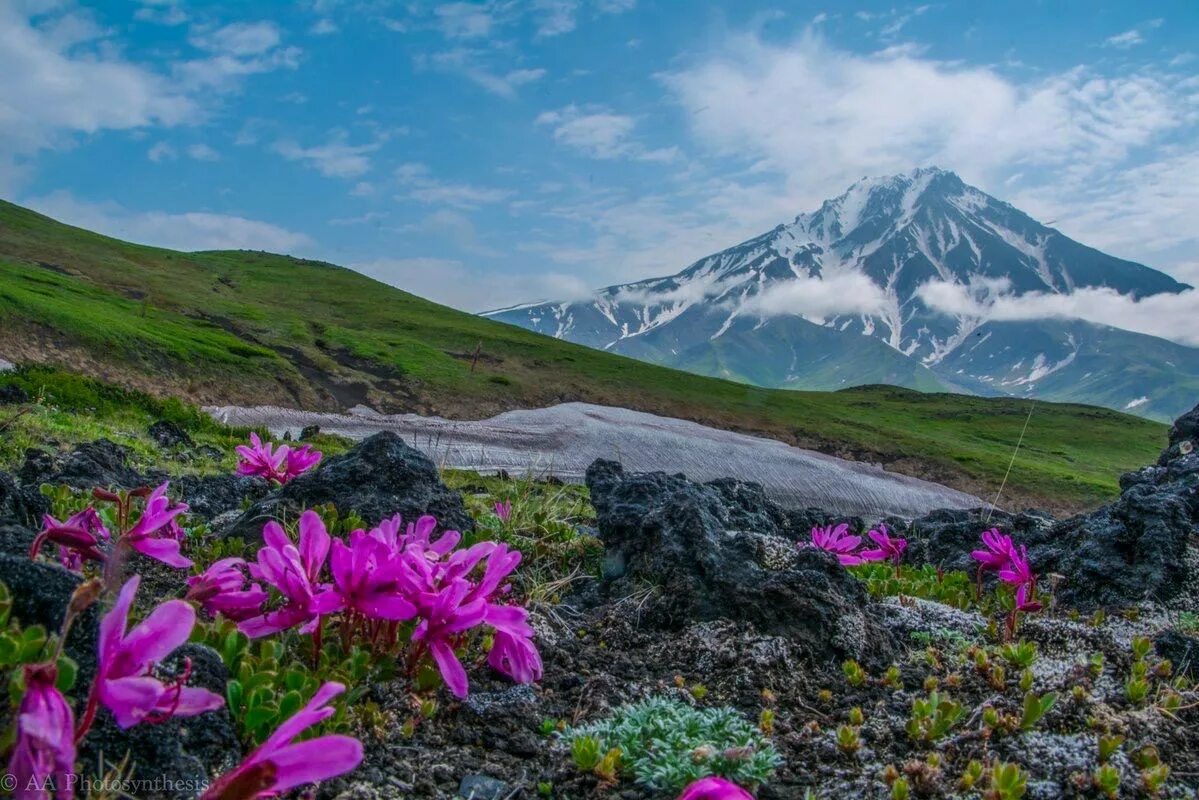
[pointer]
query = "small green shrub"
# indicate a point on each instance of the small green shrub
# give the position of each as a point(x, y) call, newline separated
point(665, 744)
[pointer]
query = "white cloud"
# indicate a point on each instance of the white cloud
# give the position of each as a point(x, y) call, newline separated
point(323, 27)
point(239, 38)
point(555, 17)
point(420, 185)
point(816, 299)
point(161, 151)
point(337, 158)
point(161, 12)
point(600, 133)
point(470, 287)
point(193, 230)
point(62, 80)
point(1168, 316)
point(464, 20)
point(1132, 37)
point(470, 64)
point(824, 117)
point(202, 152)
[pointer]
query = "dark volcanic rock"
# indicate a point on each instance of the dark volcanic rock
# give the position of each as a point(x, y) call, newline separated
point(309, 432)
point(1132, 549)
point(946, 536)
point(667, 532)
point(13, 507)
point(11, 394)
point(212, 495)
point(168, 434)
point(1181, 649)
point(174, 759)
point(98, 463)
point(379, 477)
point(40, 593)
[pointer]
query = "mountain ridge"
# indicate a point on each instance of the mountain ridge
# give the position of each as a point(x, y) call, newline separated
point(250, 328)
point(900, 233)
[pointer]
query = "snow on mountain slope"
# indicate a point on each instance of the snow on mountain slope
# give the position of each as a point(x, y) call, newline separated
point(748, 312)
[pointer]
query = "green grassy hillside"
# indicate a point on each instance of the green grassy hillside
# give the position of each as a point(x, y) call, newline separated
point(250, 327)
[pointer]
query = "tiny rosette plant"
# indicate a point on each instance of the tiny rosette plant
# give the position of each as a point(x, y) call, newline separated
point(666, 744)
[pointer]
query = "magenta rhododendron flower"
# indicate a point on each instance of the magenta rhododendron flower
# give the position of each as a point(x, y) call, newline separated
point(78, 538)
point(714, 788)
point(889, 548)
point(280, 764)
point(157, 533)
point(298, 461)
point(261, 459)
point(836, 540)
point(278, 465)
point(503, 510)
point(295, 572)
point(365, 574)
point(997, 551)
point(44, 753)
point(125, 683)
point(224, 589)
point(390, 574)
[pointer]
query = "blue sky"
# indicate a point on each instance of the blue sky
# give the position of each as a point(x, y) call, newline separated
point(486, 153)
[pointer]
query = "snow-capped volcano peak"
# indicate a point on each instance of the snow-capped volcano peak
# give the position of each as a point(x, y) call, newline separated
point(876, 244)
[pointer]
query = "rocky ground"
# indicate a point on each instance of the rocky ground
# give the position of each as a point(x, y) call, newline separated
point(667, 589)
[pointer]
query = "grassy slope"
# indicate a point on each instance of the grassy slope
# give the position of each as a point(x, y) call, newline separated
point(256, 327)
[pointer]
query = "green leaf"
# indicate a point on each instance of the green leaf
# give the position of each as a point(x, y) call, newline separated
point(289, 704)
point(233, 694)
point(32, 641)
point(68, 670)
point(260, 716)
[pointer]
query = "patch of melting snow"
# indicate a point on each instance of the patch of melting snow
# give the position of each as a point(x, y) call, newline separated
point(564, 440)
point(6, 365)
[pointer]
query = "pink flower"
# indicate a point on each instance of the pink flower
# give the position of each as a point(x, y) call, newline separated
point(78, 538)
point(156, 533)
point(298, 460)
point(714, 788)
point(44, 753)
point(280, 764)
point(364, 573)
point(449, 614)
point(296, 574)
point(515, 656)
point(124, 683)
point(836, 541)
point(275, 465)
point(1026, 596)
point(997, 553)
point(889, 548)
point(262, 459)
point(222, 589)
point(504, 510)
point(1017, 571)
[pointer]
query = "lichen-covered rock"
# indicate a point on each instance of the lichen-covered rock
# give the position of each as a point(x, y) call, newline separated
point(667, 532)
point(379, 477)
